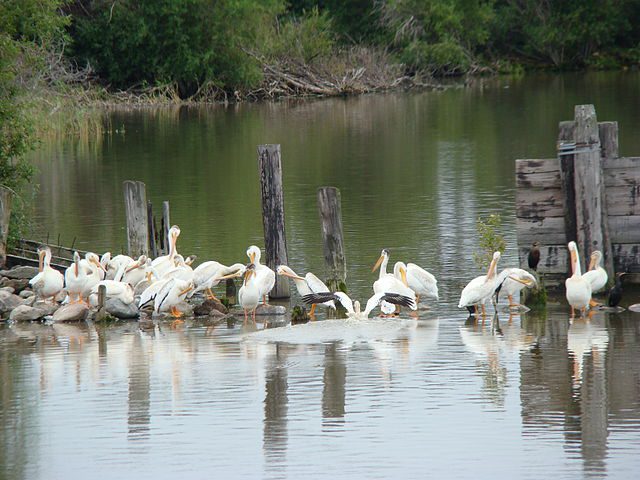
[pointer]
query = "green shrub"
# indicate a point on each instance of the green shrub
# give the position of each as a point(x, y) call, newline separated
point(182, 42)
point(444, 58)
point(303, 38)
point(489, 239)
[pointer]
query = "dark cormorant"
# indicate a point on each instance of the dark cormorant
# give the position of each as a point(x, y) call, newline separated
point(615, 294)
point(534, 256)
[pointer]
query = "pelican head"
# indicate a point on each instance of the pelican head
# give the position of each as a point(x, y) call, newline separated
point(493, 266)
point(94, 259)
point(190, 259)
point(400, 271)
point(254, 254)
point(383, 255)
point(575, 259)
point(250, 271)
point(287, 272)
point(76, 263)
point(596, 258)
point(44, 256)
point(174, 233)
point(141, 262)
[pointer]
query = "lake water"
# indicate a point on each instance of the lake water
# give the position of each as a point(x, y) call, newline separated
point(440, 396)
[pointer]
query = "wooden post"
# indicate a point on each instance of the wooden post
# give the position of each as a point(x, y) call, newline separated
point(101, 313)
point(608, 133)
point(330, 210)
point(135, 202)
point(231, 291)
point(275, 241)
point(566, 132)
point(587, 169)
point(6, 198)
point(166, 225)
point(151, 231)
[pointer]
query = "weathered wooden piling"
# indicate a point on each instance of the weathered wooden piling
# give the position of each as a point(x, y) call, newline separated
point(588, 179)
point(166, 225)
point(275, 241)
point(6, 198)
point(151, 231)
point(587, 194)
point(330, 209)
point(101, 312)
point(135, 201)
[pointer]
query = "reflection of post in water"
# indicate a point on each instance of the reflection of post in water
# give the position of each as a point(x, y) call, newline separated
point(594, 413)
point(276, 406)
point(334, 379)
point(139, 392)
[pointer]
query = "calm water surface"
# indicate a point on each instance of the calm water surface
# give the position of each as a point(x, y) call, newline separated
point(440, 396)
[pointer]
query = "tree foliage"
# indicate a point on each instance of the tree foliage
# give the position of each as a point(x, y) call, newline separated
point(27, 28)
point(187, 42)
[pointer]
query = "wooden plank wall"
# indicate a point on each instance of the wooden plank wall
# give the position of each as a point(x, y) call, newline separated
point(540, 214)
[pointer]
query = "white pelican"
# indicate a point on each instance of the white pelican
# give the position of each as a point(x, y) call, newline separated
point(75, 277)
point(480, 288)
point(265, 278)
point(90, 264)
point(421, 282)
point(250, 292)
point(104, 261)
point(119, 290)
point(114, 264)
point(353, 308)
point(306, 285)
point(149, 293)
point(167, 262)
point(578, 288)
point(209, 274)
point(183, 272)
point(171, 295)
point(395, 282)
point(596, 276)
point(49, 281)
point(511, 281)
point(137, 271)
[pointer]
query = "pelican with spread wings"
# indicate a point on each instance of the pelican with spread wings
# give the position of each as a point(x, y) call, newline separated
point(353, 308)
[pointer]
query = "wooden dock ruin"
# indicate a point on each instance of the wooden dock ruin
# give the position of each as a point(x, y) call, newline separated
point(587, 193)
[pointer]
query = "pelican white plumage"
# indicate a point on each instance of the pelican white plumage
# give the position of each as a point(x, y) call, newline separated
point(481, 288)
point(172, 294)
point(392, 282)
point(264, 277)
point(90, 264)
point(75, 277)
point(511, 281)
point(578, 288)
point(421, 282)
point(250, 292)
point(137, 271)
point(165, 263)
point(596, 276)
point(353, 308)
point(115, 264)
point(209, 274)
point(49, 281)
point(114, 289)
point(149, 294)
point(306, 285)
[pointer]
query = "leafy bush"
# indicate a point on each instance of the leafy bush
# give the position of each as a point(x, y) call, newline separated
point(490, 239)
point(444, 58)
point(186, 42)
point(303, 38)
point(28, 28)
